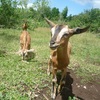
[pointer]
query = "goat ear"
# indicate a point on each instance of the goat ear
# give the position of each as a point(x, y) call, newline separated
point(79, 30)
point(51, 24)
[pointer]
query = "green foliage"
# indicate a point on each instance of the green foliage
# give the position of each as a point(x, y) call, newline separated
point(88, 17)
point(55, 13)
point(64, 12)
point(13, 14)
point(7, 12)
point(70, 98)
point(23, 3)
point(42, 9)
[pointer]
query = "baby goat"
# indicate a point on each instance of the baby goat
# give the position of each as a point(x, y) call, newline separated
point(25, 43)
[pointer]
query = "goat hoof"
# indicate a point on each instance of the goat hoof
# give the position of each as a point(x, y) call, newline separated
point(63, 82)
point(53, 96)
point(59, 89)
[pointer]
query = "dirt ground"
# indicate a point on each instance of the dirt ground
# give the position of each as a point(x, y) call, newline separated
point(73, 89)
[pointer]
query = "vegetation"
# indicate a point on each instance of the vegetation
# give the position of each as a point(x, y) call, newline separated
point(13, 13)
point(85, 56)
point(18, 80)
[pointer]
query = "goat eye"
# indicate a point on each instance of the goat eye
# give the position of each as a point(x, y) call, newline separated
point(65, 35)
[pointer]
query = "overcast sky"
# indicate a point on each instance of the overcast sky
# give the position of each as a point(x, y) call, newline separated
point(74, 6)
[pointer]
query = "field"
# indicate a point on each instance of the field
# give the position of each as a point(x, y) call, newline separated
point(25, 81)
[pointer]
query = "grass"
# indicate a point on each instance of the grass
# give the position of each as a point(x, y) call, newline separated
point(18, 79)
point(15, 75)
point(86, 56)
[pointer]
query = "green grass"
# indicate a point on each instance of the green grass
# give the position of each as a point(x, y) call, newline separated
point(85, 56)
point(18, 79)
point(15, 74)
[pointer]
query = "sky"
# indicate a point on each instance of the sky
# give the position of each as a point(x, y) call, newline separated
point(74, 6)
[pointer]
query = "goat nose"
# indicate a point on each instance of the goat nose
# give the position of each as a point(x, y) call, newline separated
point(54, 46)
point(52, 42)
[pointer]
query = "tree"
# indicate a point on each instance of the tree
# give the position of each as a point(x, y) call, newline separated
point(42, 8)
point(69, 17)
point(55, 13)
point(88, 17)
point(23, 3)
point(7, 12)
point(64, 13)
point(32, 13)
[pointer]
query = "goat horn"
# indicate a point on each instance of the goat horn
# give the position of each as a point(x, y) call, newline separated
point(50, 22)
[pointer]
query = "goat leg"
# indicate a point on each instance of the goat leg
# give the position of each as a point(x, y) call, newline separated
point(49, 67)
point(54, 85)
point(62, 80)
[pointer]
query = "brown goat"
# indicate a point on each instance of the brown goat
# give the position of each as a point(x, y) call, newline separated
point(60, 53)
point(25, 43)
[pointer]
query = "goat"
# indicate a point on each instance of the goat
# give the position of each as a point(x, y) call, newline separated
point(25, 43)
point(60, 53)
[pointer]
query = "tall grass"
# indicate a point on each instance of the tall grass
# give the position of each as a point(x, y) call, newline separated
point(19, 79)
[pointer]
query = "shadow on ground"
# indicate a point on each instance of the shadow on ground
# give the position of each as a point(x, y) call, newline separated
point(67, 90)
point(73, 89)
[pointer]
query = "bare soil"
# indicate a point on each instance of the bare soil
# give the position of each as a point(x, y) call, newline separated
point(73, 89)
